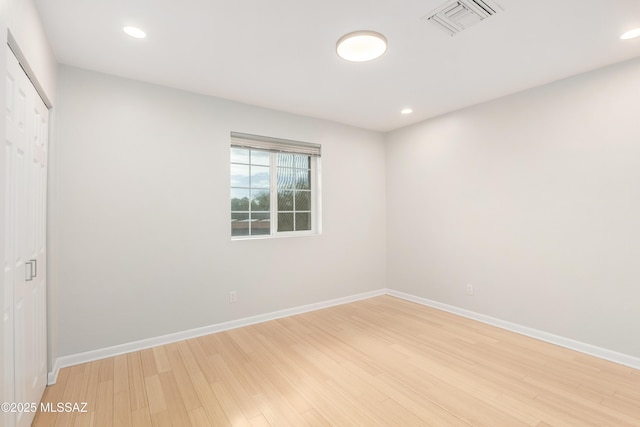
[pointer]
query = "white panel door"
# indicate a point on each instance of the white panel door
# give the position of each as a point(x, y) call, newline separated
point(24, 311)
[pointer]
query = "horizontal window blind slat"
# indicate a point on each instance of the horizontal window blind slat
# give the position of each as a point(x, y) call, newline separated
point(245, 140)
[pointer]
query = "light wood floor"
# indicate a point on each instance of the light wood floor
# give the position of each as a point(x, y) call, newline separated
point(378, 362)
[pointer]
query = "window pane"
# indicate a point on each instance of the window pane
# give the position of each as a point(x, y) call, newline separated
point(239, 199)
point(260, 224)
point(239, 175)
point(285, 222)
point(303, 221)
point(302, 162)
point(285, 160)
point(259, 176)
point(260, 157)
point(260, 200)
point(286, 178)
point(254, 187)
point(239, 224)
point(285, 200)
point(239, 155)
point(303, 201)
point(303, 179)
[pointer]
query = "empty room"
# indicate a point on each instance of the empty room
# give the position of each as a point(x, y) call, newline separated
point(355, 213)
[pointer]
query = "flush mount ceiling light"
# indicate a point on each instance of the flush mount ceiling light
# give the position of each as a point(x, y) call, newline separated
point(631, 34)
point(134, 32)
point(361, 46)
point(406, 111)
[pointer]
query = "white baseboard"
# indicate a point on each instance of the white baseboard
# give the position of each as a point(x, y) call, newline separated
point(52, 376)
point(89, 356)
point(622, 359)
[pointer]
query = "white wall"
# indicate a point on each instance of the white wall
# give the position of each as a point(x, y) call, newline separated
point(24, 23)
point(535, 200)
point(144, 243)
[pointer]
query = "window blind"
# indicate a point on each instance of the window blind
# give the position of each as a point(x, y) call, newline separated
point(245, 140)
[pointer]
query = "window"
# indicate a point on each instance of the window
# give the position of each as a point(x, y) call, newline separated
point(274, 186)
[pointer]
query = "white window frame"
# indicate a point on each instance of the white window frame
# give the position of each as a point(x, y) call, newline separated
point(275, 146)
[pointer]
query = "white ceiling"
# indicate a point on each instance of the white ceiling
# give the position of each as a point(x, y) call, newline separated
point(281, 53)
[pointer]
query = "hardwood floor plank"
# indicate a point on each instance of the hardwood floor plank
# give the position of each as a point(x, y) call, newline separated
point(88, 394)
point(106, 369)
point(197, 352)
point(120, 374)
point(122, 395)
point(395, 414)
point(376, 362)
point(161, 359)
point(148, 361)
point(122, 409)
point(406, 396)
point(582, 411)
point(314, 419)
point(229, 405)
point(185, 386)
point(137, 389)
point(212, 408)
point(72, 389)
point(234, 382)
point(141, 417)
point(259, 421)
point(104, 404)
point(155, 395)
point(198, 417)
point(273, 415)
point(175, 405)
point(535, 411)
point(275, 405)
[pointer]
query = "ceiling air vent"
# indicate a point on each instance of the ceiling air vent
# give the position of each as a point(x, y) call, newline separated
point(456, 15)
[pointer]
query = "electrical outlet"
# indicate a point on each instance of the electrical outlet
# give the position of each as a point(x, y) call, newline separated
point(233, 297)
point(469, 289)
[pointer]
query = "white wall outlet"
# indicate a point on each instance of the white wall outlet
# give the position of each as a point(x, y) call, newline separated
point(469, 289)
point(233, 297)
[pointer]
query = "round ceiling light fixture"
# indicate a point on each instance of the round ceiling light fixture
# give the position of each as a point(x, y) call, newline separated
point(631, 34)
point(135, 32)
point(361, 46)
point(406, 111)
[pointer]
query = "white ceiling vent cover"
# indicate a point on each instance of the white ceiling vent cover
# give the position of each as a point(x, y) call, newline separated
point(456, 15)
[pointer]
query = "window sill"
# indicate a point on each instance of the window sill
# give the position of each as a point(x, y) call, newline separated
point(276, 236)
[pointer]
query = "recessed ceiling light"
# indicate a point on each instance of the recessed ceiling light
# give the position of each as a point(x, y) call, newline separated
point(406, 111)
point(135, 32)
point(631, 34)
point(361, 46)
